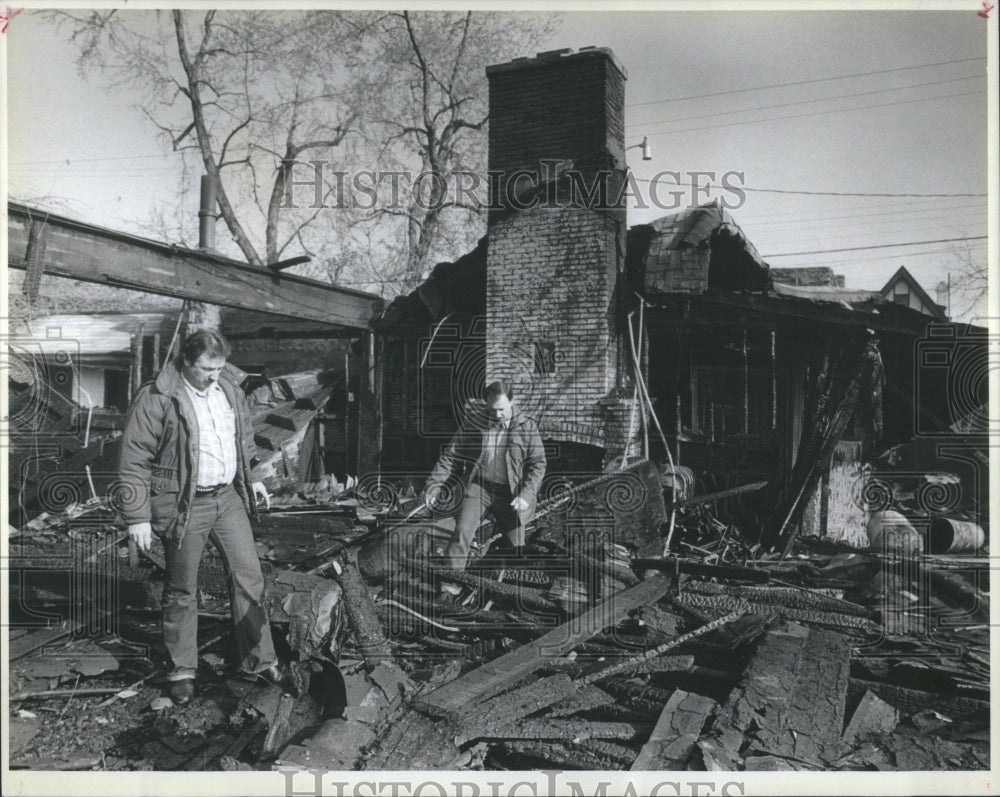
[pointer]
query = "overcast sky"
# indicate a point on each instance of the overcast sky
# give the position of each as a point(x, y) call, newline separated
point(812, 104)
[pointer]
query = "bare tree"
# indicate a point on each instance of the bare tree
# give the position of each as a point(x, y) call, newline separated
point(254, 96)
point(245, 91)
point(434, 123)
point(969, 280)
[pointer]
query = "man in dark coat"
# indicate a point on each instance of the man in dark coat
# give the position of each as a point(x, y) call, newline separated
point(495, 462)
point(185, 470)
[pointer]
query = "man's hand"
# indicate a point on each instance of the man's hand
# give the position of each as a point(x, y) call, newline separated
point(519, 504)
point(141, 534)
point(430, 496)
point(260, 494)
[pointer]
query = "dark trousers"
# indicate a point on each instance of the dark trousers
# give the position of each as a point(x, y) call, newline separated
point(481, 497)
point(222, 519)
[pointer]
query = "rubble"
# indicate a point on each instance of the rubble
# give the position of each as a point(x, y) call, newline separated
point(640, 628)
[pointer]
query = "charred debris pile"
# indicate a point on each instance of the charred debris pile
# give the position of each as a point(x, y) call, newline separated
point(637, 630)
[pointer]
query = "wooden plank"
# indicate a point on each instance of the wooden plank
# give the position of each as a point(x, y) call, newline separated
point(792, 695)
point(913, 700)
point(872, 715)
point(414, 742)
point(290, 418)
point(273, 438)
point(505, 710)
point(590, 755)
point(85, 252)
point(572, 730)
point(587, 697)
point(315, 400)
point(362, 615)
point(301, 385)
point(453, 699)
point(676, 732)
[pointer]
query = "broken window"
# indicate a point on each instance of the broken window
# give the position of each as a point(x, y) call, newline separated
point(720, 411)
point(545, 357)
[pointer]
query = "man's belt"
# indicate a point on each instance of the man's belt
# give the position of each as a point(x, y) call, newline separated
point(215, 489)
point(495, 486)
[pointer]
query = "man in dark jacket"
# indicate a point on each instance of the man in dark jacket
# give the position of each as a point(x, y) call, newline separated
point(185, 471)
point(495, 462)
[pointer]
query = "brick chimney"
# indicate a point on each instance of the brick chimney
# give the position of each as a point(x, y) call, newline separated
point(555, 249)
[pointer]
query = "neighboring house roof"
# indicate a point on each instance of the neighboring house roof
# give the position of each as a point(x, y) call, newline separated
point(61, 336)
point(903, 275)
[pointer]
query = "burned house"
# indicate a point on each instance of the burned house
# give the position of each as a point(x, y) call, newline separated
point(770, 393)
point(703, 418)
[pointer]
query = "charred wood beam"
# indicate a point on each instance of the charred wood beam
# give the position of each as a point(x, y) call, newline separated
point(785, 597)
point(452, 700)
point(564, 730)
point(586, 697)
point(625, 688)
point(732, 492)
point(610, 569)
point(813, 463)
point(494, 718)
point(414, 742)
point(583, 756)
point(729, 603)
point(520, 597)
point(629, 664)
point(791, 699)
point(674, 564)
point(668, 664)
point(913, 700)
point(86, 252)
point(673, 740)
point(363, 616)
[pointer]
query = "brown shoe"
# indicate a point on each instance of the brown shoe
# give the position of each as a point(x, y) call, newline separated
point(181, 691)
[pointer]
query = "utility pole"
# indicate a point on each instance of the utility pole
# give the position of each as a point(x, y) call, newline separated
point(201, 315)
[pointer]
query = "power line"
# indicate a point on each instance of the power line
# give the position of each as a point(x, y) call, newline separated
point(806, 102)
point(848, 193)
point(797, 220)
point(816, 113)
point(814, 193)
point(879, 246)
point(907, 255)
point(860, 207)
point(802, 82)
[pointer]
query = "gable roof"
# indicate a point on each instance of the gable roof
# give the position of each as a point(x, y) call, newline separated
point(903, 275)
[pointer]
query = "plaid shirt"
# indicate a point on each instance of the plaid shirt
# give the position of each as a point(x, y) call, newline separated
point(494, 465)
point(216, 435)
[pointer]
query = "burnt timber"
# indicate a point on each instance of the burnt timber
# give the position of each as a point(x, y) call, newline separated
point(76, 250)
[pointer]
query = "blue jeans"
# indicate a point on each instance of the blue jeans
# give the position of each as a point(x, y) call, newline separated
point(222, 519)
point(479, 498)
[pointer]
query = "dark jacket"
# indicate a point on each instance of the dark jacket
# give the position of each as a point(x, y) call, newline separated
point(525, 457)
point(158, 465)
